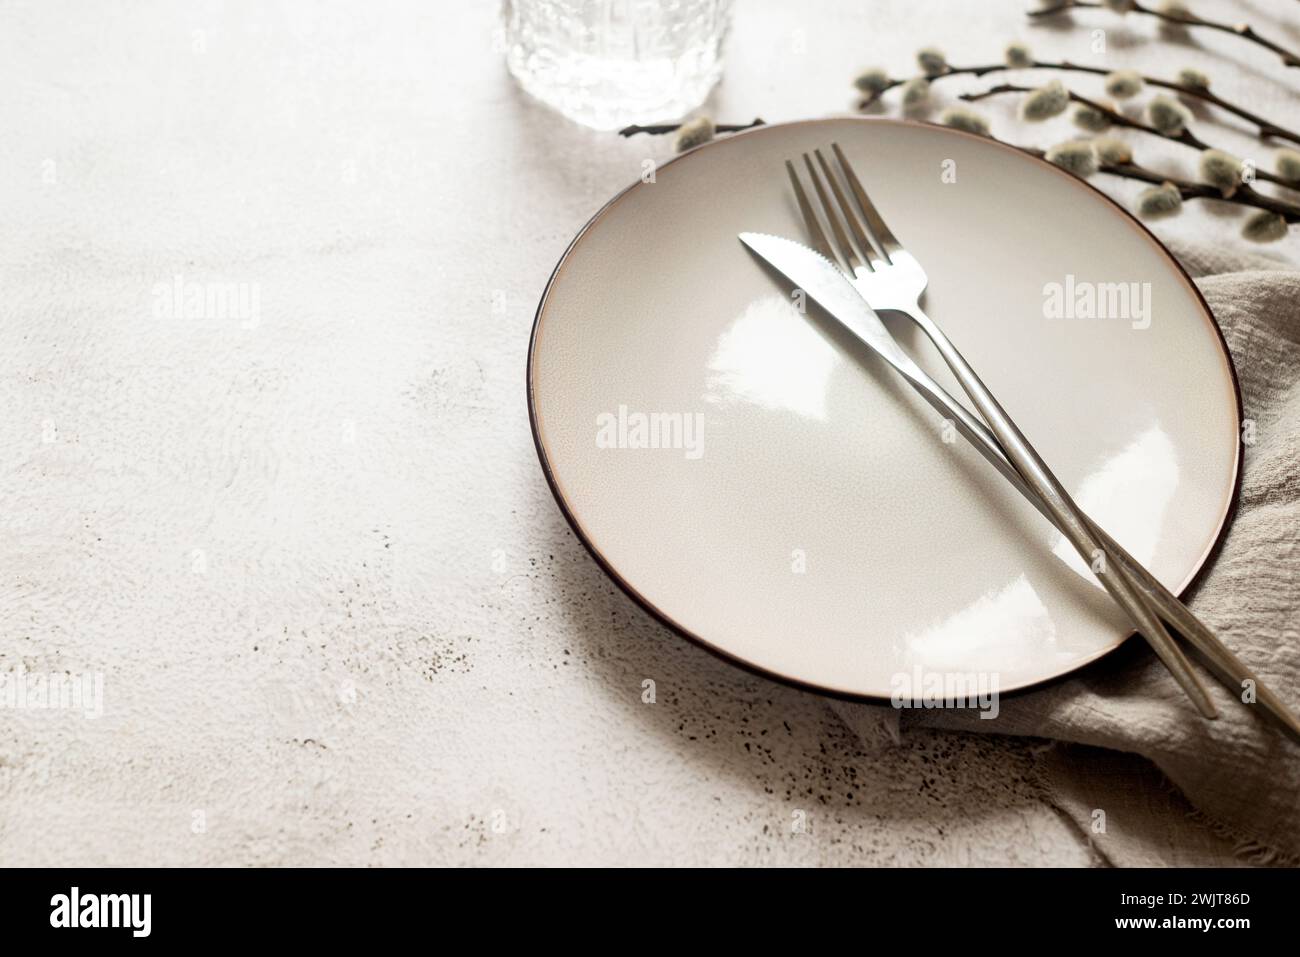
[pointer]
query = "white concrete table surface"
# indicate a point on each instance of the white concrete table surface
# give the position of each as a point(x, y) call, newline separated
point(338, 616)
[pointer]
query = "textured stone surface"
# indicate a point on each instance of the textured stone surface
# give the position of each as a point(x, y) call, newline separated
point(339, 618)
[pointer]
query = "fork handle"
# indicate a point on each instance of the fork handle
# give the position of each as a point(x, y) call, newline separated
point(1114, 577)
point(1226, 666)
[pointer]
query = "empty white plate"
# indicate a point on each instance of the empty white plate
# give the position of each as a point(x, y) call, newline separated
point(770, 489)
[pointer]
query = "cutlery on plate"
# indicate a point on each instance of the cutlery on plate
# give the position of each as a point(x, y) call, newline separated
point(858, 319)
point(889, 278)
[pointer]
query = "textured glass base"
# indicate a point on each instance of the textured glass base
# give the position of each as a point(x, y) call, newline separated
point(607, 63)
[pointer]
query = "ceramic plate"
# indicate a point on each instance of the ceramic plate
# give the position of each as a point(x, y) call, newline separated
point(771, 490)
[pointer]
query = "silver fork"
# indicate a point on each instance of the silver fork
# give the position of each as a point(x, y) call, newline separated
point(891, 279)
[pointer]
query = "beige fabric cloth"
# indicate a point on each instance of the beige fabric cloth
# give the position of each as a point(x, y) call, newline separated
point(1235, 780)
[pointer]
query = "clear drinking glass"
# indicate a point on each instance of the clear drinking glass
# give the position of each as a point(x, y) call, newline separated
point(609, 63)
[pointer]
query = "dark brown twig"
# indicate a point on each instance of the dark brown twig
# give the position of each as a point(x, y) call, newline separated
point(1244, 196)
point(894, 83)
point(662, 128)
point(1242, 30)
point(1186, 136)
point(1116, 118)
point(1266, 128)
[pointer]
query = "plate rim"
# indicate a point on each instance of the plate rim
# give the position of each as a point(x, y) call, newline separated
point(1189, 584)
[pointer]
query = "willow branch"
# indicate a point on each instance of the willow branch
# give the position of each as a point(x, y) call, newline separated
point(1243, 30)
point(1116, 118)
point(1266, 128)
point(662, 128)
point(1186, 136)
point(895, 82)
point(1244, 196)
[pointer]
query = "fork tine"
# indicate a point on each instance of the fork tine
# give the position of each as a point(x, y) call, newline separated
point(868, 251)
point(850, 256)
point(874, 220)
point(810, 218)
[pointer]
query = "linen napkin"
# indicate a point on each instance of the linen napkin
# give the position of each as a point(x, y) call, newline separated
point(1239, 777)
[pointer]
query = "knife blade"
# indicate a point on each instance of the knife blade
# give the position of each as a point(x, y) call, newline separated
point(823, 282)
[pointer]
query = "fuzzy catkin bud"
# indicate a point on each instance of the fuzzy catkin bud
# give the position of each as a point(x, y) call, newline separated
point(1045, 102)
point(961, 118)
point(1221, 170)
point(694, 132)
point(932, 61)
point(1018, 55)
point(1112, 152)
point(872, 81)
point(1287, 164)
point(1265, 227)
point(1090, 118)
point(916, 93)
point(1123, 83)
point(1159, 201)
point(1077, 156)
point(1168, 115)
